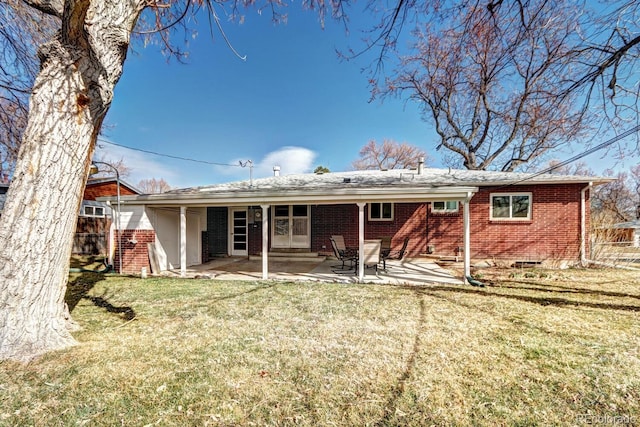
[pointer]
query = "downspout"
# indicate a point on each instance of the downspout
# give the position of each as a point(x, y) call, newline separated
point(583, 224)
point(183, 241)
point(265, 240)
point(361, 241)
point(467, 238)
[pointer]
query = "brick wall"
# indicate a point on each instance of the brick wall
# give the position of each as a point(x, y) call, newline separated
point(254, 236)
point(134, 256)
point(553, 233)
point(409, 220)
point(204, 235)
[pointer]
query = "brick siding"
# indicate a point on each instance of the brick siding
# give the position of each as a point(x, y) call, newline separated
point(254, 237)
point(409, 220)
point(134, 256)
point(553, 233)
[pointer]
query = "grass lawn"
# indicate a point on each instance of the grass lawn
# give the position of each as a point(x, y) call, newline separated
point(535, 347)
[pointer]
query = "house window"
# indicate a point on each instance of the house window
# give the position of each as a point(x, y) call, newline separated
point(381, 212)
point(512, 206)
point(93, 211)
point(444, 207)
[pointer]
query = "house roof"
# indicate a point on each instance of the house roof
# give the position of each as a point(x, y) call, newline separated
point(367, 186)
point(628, 224)
point(108, 180)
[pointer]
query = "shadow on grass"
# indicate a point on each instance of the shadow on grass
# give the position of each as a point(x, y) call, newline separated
point(258, 287)
point(79, 287)
point(541, 300)
point(432, 291)
point(397, 391)
point(562, 290)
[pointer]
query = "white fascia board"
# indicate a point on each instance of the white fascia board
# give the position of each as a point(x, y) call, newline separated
point(563, 180)
point(406, 195)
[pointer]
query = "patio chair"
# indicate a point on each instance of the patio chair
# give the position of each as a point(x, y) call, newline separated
point(343, 255)
point(385, 245)
point(342, 247)
point(396, 255)
point(371, 253)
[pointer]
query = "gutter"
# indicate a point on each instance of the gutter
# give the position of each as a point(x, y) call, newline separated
point(367, 195)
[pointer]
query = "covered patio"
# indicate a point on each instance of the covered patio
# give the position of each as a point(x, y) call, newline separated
point(413, 271)
point(258, 203)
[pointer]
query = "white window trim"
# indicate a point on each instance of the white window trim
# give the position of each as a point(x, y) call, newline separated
point(510, 218)
point(445, 210)
point(380, 219)
point(93, 215)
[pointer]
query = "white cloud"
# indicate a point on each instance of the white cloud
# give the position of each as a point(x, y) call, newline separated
point(292, 160)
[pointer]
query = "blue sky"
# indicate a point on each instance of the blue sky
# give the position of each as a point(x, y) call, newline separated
point(292, 103)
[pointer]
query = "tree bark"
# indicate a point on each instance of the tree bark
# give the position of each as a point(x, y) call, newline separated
point(71, 96)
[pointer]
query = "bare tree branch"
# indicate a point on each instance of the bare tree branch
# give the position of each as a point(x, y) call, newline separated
point(487, 77)
point(388, 155)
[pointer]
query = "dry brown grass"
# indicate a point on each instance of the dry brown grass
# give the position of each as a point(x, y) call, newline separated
point(534, 347)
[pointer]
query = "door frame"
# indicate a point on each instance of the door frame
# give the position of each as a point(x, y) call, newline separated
point(232, 250)
point(290, 245)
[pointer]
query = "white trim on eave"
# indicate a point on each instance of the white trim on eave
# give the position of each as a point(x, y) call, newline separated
point(404, 194)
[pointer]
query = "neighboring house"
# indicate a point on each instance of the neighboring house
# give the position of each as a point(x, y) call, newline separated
point(94, 218)
point(628, 232)
point(473, 214)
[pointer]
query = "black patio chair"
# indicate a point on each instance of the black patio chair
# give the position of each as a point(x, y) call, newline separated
point(396, 255)
point(344, 256)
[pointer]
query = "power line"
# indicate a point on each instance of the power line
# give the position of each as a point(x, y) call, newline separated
point(155, 153)
point(544, 171)
point(581, 155)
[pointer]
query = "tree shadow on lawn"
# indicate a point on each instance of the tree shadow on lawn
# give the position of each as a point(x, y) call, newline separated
point(78, 289)
point(256, 288)
point(541, 300)
point(390, 408)
point(389, 417)
point(562, 290)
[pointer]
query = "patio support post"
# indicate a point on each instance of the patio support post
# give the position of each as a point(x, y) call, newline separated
point(467, 237)
point(361, 241)
point(183, 241)
point(583, 223)
point(265, 241)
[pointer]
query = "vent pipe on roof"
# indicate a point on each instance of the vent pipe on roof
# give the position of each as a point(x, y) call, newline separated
point(420, 165)
point(276, 171)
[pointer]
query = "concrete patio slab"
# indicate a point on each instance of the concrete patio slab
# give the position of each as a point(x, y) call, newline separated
point(415, 271)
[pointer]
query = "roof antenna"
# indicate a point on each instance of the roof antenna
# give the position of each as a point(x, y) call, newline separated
point(244, 165)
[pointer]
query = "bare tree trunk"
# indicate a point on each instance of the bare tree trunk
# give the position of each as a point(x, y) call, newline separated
point(71, 96)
